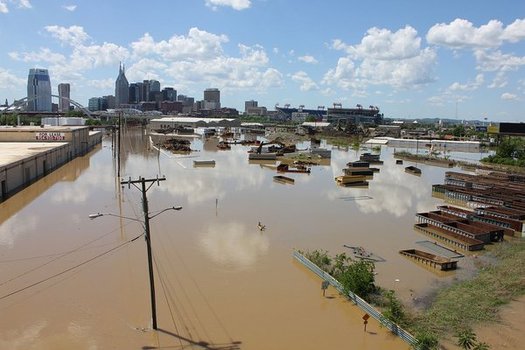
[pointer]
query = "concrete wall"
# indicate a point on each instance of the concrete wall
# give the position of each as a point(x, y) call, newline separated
point(19, 174)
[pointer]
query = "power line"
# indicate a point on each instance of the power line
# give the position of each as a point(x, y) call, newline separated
point(60, 256)
point(69, 269)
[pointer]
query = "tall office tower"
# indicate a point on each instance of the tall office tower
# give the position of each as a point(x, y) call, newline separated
point(169, 94)
point(121, 88)
point(38, 90)
point(135, 92)
point(212, 98)
point(249, 104)
point(64, 90)
point(154, 86)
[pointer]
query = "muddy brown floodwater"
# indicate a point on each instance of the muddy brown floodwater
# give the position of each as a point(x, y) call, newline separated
point(68, 282)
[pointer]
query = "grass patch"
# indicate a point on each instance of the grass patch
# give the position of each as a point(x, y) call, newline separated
point(478, 300)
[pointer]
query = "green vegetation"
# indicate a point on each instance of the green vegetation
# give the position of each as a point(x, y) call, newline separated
point(477, 300)
point(467, 302)
point(356, 276)
point(511, 151)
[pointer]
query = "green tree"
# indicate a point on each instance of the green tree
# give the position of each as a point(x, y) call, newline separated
point(426, 341)
point(358, 277)
point(394, 311)
point(466, 339)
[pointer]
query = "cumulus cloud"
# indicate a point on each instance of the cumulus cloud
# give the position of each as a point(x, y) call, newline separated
point(198, 43)
point(193, 58)
point(9, 80)
point(499, 81)
point(461, 33)
point(306, 82)
point(70, 8)
point(307, 59)
point(74, 35)
point(23, 4)
point(491, 61)
point(469, 86)
point(235, 4)
point(509, 97)
point(383, 57)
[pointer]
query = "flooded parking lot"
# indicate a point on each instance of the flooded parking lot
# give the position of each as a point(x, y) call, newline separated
point(71, 282)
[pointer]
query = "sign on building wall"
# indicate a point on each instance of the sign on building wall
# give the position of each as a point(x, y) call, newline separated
point(50, 136)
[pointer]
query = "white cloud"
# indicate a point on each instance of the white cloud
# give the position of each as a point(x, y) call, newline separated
point(382, 44)
point(499, 81)
point(461, 33)
point(509, 97)
point(383, 57)
point(102, 84)
point(307, 59)
point(24, 4)
point(9, 80)
point(515, 31)
point(70, 8)
point(3, 7)
point(470, 86)
point(44, 55)
point(307, 84)
point(198, 43)
point(497, 61)
point(235, 4)
point(74, 35)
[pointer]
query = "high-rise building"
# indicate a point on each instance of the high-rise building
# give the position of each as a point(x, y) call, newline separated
point(169, 94)
point(121, 88)
point(64, 90)
point(154, 86)
point(249, 104)
point(212, 98)
point(136, 93)
point(109, 101)
point(38, 90)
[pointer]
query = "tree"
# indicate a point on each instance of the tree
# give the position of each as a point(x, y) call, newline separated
point(394, 311)
point(466, 339)
point(426, 341)
point(358, 277)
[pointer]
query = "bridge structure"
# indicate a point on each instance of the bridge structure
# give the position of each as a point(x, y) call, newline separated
point(27, 99)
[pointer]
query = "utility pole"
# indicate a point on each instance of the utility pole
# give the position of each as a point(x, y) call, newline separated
point(145, 208)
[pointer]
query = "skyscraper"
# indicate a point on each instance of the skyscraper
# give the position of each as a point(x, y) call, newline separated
point(212, 98)
point(38, 90)
point(121, 88)
point(64, 90)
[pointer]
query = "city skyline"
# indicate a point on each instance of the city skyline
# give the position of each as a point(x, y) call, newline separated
point(413, 60)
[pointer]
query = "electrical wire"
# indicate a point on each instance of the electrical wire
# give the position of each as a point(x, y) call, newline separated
point(69, 269)
point(163, 284)
point(57, 258)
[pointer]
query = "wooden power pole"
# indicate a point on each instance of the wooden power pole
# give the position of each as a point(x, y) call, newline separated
point(144, 189)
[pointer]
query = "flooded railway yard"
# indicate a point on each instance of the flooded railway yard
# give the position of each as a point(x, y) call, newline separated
point(222, 282)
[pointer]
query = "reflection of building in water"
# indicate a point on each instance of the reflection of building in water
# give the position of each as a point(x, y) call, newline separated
point(69, 172)
point(29, 153)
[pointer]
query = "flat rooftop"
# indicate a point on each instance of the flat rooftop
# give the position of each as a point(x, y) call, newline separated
point(11, 152)
point(38, 128)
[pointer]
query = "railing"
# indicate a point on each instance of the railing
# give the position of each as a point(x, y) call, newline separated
point(394, 328)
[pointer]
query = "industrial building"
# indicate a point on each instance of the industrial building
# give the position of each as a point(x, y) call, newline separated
point(29, 153)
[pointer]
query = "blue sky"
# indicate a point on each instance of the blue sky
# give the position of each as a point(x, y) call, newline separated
point(460, 58)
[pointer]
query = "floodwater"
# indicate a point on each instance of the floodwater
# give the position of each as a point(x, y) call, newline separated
point(68, 282)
